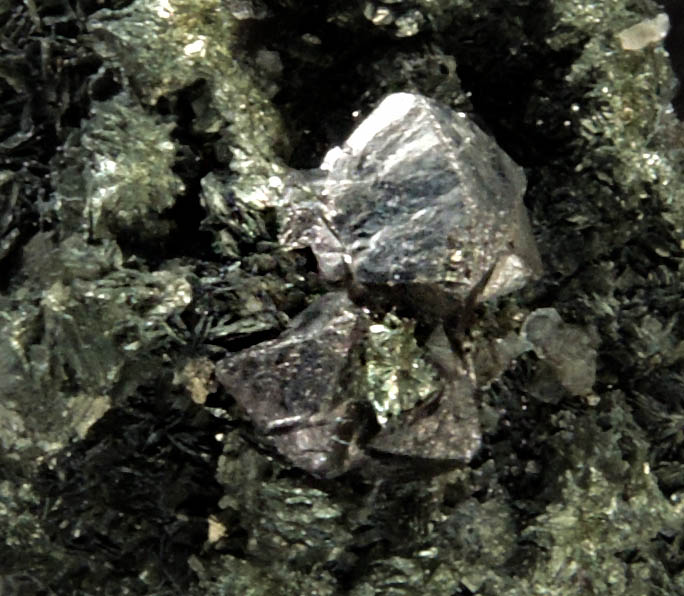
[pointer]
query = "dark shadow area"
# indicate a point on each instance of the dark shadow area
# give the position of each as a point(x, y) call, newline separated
point(134, 494)
point(674, 44)
point(196, 158)
point(47, 80)
point(324, 83)
point(325, 77)
point(511, 73)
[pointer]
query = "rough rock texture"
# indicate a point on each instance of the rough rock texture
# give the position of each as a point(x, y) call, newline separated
point(144, 148)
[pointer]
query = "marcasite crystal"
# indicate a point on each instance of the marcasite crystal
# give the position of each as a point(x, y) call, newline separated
point(317, 392)
point(295, 388)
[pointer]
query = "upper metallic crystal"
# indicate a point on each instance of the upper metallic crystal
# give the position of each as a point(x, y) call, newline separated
point(420, 202)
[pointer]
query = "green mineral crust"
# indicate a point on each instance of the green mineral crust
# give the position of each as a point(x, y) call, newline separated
point(211, 381)
point(163, 47)
point(99, 186)
point(398, 375)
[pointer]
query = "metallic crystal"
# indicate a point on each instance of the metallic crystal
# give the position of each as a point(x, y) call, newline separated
point(293, 387)
point(445, 428)
point(316, 392)
point(420, 209)
point(419, 203)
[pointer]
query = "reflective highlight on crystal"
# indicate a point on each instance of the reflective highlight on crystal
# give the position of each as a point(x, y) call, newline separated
point(419, 212)
point(418, 201)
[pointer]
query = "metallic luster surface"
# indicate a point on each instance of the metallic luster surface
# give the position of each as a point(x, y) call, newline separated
point(319, 392)
point(418, 202)
point(293, 387)
point(420, 210)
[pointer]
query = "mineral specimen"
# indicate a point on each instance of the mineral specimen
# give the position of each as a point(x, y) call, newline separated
point(293, 388)
point(646, 32)
point(418, 209)
point(397, 375)
point(445, 425)
point(420, 205)
point(313, 391)
point(568, 352)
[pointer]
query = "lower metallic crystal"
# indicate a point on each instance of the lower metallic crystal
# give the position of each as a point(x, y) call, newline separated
point(319, 391)
point(293, 387)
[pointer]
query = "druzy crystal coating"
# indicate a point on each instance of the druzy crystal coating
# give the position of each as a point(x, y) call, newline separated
point(421, 210)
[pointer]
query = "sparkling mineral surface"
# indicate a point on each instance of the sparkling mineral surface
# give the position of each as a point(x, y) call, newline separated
point(418, 209)
point(418, 203)
point(319, 392)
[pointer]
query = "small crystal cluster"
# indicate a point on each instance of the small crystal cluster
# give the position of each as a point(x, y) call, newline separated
point(420, 210)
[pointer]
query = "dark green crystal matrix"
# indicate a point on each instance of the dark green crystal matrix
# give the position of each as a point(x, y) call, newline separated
point(144, 147)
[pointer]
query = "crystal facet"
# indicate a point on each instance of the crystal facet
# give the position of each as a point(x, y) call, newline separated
point(419, 203)
point(293, 387)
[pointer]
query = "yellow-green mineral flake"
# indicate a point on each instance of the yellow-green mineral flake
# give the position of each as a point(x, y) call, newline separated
point(120, 173)
point(625, 119)
point(167, 45)
point(397, 374)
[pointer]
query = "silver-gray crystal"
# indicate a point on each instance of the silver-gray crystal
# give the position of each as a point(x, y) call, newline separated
point(418, 201)
point(418, 208)
point(317, 391)
point(296, 388)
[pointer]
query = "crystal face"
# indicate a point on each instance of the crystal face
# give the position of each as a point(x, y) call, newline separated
point(419, 203)
point(292, 387)
point(318, 392)
point(418, 209)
